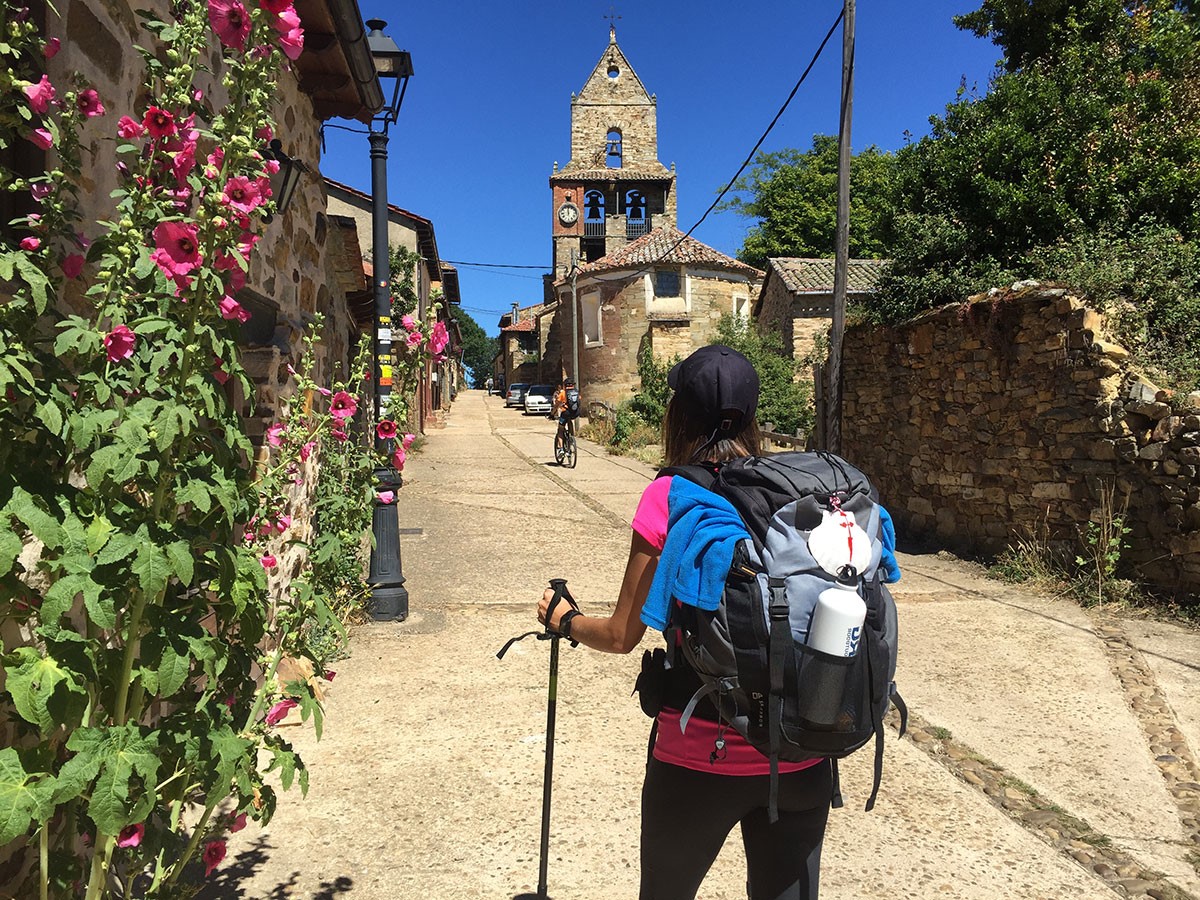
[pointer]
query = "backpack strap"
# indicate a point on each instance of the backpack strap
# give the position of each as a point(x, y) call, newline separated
point(778, 650)
point(835, 794)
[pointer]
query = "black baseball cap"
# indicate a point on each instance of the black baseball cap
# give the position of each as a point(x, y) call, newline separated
point(722, 382)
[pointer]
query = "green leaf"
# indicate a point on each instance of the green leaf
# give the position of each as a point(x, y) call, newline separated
point(119, 546)
point(41, 524)
point(10, 549)
point(98, 533)
point(196, 493)
point(151, 567)
point(182, 563)
point(23, 801)
point(124, 762)
point(61, 596)
point(51, 417)
point(44, 693)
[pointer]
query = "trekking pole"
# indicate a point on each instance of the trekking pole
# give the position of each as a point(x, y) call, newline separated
point(560, 593)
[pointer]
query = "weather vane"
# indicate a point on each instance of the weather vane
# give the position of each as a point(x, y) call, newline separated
point(612, 19)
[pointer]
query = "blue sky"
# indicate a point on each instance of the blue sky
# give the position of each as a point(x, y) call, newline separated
point(487, 111)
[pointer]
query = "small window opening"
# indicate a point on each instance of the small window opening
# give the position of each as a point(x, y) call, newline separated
point(613, 71)
point(666, 283)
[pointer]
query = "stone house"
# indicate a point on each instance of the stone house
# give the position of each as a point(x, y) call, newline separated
point(665, 290)
point(522, 336)
point(416, 234)
point(796, 299)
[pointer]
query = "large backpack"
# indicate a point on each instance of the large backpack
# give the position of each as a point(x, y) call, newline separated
point(750, 654)
point(572, 401)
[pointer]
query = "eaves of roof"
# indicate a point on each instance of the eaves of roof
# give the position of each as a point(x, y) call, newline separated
point(426, 239)
point(335, 68)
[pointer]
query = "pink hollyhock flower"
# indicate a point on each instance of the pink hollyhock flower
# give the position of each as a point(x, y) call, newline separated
point(439, 337)
point(268, 561)
point(292, 43)
point(30, 243)
point(340, 436)
point(40, 95)
point(407, 440)
point(219, 372)
point(231, 309)
point(386, 429)
point(237, 823)
point(159, 122)
point(72, 265)
point(182, 165)
point(266, 133)
point(281, 709)
point(89, 103)
point(131, 835)
point(242, 194)
point(51, 48)
point(324, 392)
point(40, 191)
point(283, 523)
point(217, 158)
point(119, 343)
point(286, 20)
point(386, 496)
point(330, 675)
point(408, 322)
point(271, 167)
point(399, 458)
point(177, 251)
point(275, 434)
point(230, 21)
point(343, 406)
point(214, 852)
point(414, 339)
point(129, 128)
point(276, 7)
point(42, 138)
point(306, 451)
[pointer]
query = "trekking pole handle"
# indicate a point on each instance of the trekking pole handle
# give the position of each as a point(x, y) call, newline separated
point(559, 586)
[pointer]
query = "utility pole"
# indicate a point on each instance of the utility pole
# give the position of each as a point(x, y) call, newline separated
point(833, 402)
point(575, 324)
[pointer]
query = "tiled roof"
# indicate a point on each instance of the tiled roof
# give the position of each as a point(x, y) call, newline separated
point(523, 325)
point(667, 244)
point(801, 276)
point(662, 173)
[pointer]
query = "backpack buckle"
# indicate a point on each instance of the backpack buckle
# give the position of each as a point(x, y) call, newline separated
point(777, 606)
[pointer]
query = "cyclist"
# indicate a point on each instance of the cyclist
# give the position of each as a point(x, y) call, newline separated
point(566, 409)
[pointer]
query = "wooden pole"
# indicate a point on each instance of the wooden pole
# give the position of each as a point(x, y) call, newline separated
point(833, 406)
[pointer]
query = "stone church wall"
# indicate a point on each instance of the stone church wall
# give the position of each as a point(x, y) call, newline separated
point(1012, 415)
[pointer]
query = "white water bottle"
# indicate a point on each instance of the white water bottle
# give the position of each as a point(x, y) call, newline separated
point(838, 617)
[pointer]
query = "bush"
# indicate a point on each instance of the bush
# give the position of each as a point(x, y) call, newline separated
point(783, 401)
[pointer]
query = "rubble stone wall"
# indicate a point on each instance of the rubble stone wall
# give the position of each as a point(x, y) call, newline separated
point(1014, 415)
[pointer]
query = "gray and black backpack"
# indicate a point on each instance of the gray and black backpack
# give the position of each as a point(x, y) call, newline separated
point(749, 659)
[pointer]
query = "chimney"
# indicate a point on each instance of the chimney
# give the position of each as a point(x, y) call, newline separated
point(516, 313)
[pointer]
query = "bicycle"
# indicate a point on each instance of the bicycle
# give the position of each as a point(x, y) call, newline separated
point(566, 450)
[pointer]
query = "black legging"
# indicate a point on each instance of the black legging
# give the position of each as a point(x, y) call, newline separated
point(686, 816)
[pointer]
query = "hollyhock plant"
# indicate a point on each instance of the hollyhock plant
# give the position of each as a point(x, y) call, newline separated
point(407, 440)
point(399, 458)
point(343, 406)
point(72, 265)
point(268, 561)
point(41, 138)
point(283, 523)
point(286, 20)
point(131, 835)
point(230, 20)
point(280, 710)
point(386, 429)
point(414, 339)
point(159, 122)
point(242, 194)
point(408, 322)
point(40, 95)
point(292, 43)
point(237, 823)
point(439, 337)
point(275, 7)
point(306, 451)
point(51, 47)
point(119, 343)
point(40, 191)
point(88, 103)
point(275, 434)
point(177, 252)
point(214, 852)
point(386, 496)
point(30, 243)
point(231, 309)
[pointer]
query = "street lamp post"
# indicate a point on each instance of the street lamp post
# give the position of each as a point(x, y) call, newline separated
point(389, 597)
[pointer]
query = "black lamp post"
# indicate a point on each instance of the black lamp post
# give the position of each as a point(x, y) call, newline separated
point(389, 597)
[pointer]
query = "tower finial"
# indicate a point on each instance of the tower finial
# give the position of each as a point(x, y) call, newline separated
point(612, 24)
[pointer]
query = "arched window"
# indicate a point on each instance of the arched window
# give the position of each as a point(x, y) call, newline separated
point(612, 157)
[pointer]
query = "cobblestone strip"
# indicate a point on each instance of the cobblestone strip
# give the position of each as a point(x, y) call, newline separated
point(1169, 747)
point(1072, 836)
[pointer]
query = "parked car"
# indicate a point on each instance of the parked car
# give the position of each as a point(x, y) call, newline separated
point(516, 394)
point(538, 399)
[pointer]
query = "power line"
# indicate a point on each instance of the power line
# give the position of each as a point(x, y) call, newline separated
point(455, 262)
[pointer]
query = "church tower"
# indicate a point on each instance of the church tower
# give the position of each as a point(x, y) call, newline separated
point(613, 190)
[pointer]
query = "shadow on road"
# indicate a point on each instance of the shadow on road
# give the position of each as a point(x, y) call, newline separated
point(227, 883)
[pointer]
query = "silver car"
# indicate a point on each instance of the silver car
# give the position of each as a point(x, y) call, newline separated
point(538, 399)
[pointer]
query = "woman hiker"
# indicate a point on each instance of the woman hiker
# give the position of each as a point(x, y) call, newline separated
point(692, 797)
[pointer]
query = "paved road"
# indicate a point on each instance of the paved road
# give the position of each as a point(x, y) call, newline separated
point(1051, 759)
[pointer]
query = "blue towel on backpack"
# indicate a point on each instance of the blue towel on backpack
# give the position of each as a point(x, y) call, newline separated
point(891, 568)
point(702, 530)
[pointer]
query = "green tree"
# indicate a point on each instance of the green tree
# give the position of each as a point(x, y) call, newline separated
point(793, 196)
point(478, 349)
point(783, 401)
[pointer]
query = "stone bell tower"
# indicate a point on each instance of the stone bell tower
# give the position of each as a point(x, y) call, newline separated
point(613, 190)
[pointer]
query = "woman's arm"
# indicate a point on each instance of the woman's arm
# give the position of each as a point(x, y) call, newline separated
point(620, 632)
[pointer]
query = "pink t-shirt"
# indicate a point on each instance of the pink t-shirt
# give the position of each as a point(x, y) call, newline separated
point(693, 749)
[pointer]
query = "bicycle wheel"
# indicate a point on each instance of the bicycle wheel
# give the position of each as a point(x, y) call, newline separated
point(560, 449)
point(570, 451)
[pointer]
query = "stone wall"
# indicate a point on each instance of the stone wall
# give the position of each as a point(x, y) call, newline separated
point(796, 319)
point(1012, 415)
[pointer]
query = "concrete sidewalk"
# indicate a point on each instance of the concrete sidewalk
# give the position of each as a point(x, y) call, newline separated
point(1051, 757)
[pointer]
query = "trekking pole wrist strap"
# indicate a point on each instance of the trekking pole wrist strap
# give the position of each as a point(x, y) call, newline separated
point(559, 586)
point(564, 624)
